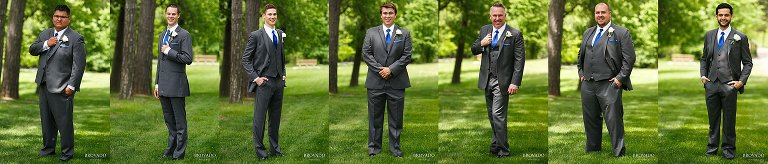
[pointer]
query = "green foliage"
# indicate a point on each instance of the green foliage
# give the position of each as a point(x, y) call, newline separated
point(640, 17)
point(417, 16)
point(93, 20)
point(684, 23)
point(305, 23)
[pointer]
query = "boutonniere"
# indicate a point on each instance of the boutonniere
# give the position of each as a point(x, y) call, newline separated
point(509, 34)
point(64, 39)
point(610, 31)
point(173, 34)
point(284, 35)
point(736, 38)
point(398, 32)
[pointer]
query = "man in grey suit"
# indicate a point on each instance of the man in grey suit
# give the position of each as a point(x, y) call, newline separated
point(501, 72)
point(264, 61)
point(725, 68)
point(59, 72)
point(387, 52)
point(606, 58)
point(171, 85)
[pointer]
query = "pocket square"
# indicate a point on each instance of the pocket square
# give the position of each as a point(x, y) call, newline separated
point(174, 43)
point(507, 44)
point(612, 41)
point(398, 41)
point(64, 46)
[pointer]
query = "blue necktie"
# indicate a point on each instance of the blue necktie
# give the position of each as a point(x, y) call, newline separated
point(274, 38)
point(495, 38)
point(598, 37)
point(722, 39)
point(165, 39)
point(388, 36)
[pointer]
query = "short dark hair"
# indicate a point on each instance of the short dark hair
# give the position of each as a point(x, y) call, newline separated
point(498, 4)
point(63, 8)
point(724, 6)
point(388, 5)
point(269, 6)
point(178, 10)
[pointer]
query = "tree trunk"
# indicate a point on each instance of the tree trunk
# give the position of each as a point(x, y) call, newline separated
point(117, 58)
point(456, 79)
point(3, 7)
point(251, 24)
point(225, 67)
point(333, 44)
point(251, 16)
point(554, 45)
point(129, 51)
point(237, 85)
point(142, 79)
point(10, 84)
point(353, 82)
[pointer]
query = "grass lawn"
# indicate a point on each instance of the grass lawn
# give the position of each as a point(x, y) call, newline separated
point(566, 124)
point(21, 130)
point(303, 122)
point(349, 120)
point(683, 122)
point(138, 131)
point(465, 131)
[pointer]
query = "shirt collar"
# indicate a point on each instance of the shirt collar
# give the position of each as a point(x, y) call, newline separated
point(268, 29)
point(391, 28)
point(727, 30)
point(501, 30)
point(62, 30)
point(174, 27)
point(606, 26)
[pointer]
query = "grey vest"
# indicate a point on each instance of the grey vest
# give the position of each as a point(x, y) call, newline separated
point(722, 69)
point(595, 67)
point(275, 68)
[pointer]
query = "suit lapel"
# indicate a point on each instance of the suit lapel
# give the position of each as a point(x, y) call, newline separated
point(728, 40)
point(392, 38)
point(265, 38)
point(381, 37)
point(58, 43)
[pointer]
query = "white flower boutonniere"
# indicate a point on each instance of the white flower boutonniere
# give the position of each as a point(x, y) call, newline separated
point(284, 35)
point(509, 34)
point(610, 31)
point(398, 32)
point(736, 38)
point(173, 34)
point(64, 39)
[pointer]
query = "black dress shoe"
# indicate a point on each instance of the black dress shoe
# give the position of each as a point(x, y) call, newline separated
point(371, 155)
point(501, 156)
point(729, 154)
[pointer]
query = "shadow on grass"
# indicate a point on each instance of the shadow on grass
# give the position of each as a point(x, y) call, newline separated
point(20, 127)
point(465, 133)
point(349, 120)
point(685, 125)
point(303, 124)
point(566, 131)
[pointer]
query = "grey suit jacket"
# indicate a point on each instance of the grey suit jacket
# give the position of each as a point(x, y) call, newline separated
point(171, 76)
point(65, 62)
point(739, 56)
point(511, 60)
point(256, 55)
point(618, 49)
point(396, 56)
